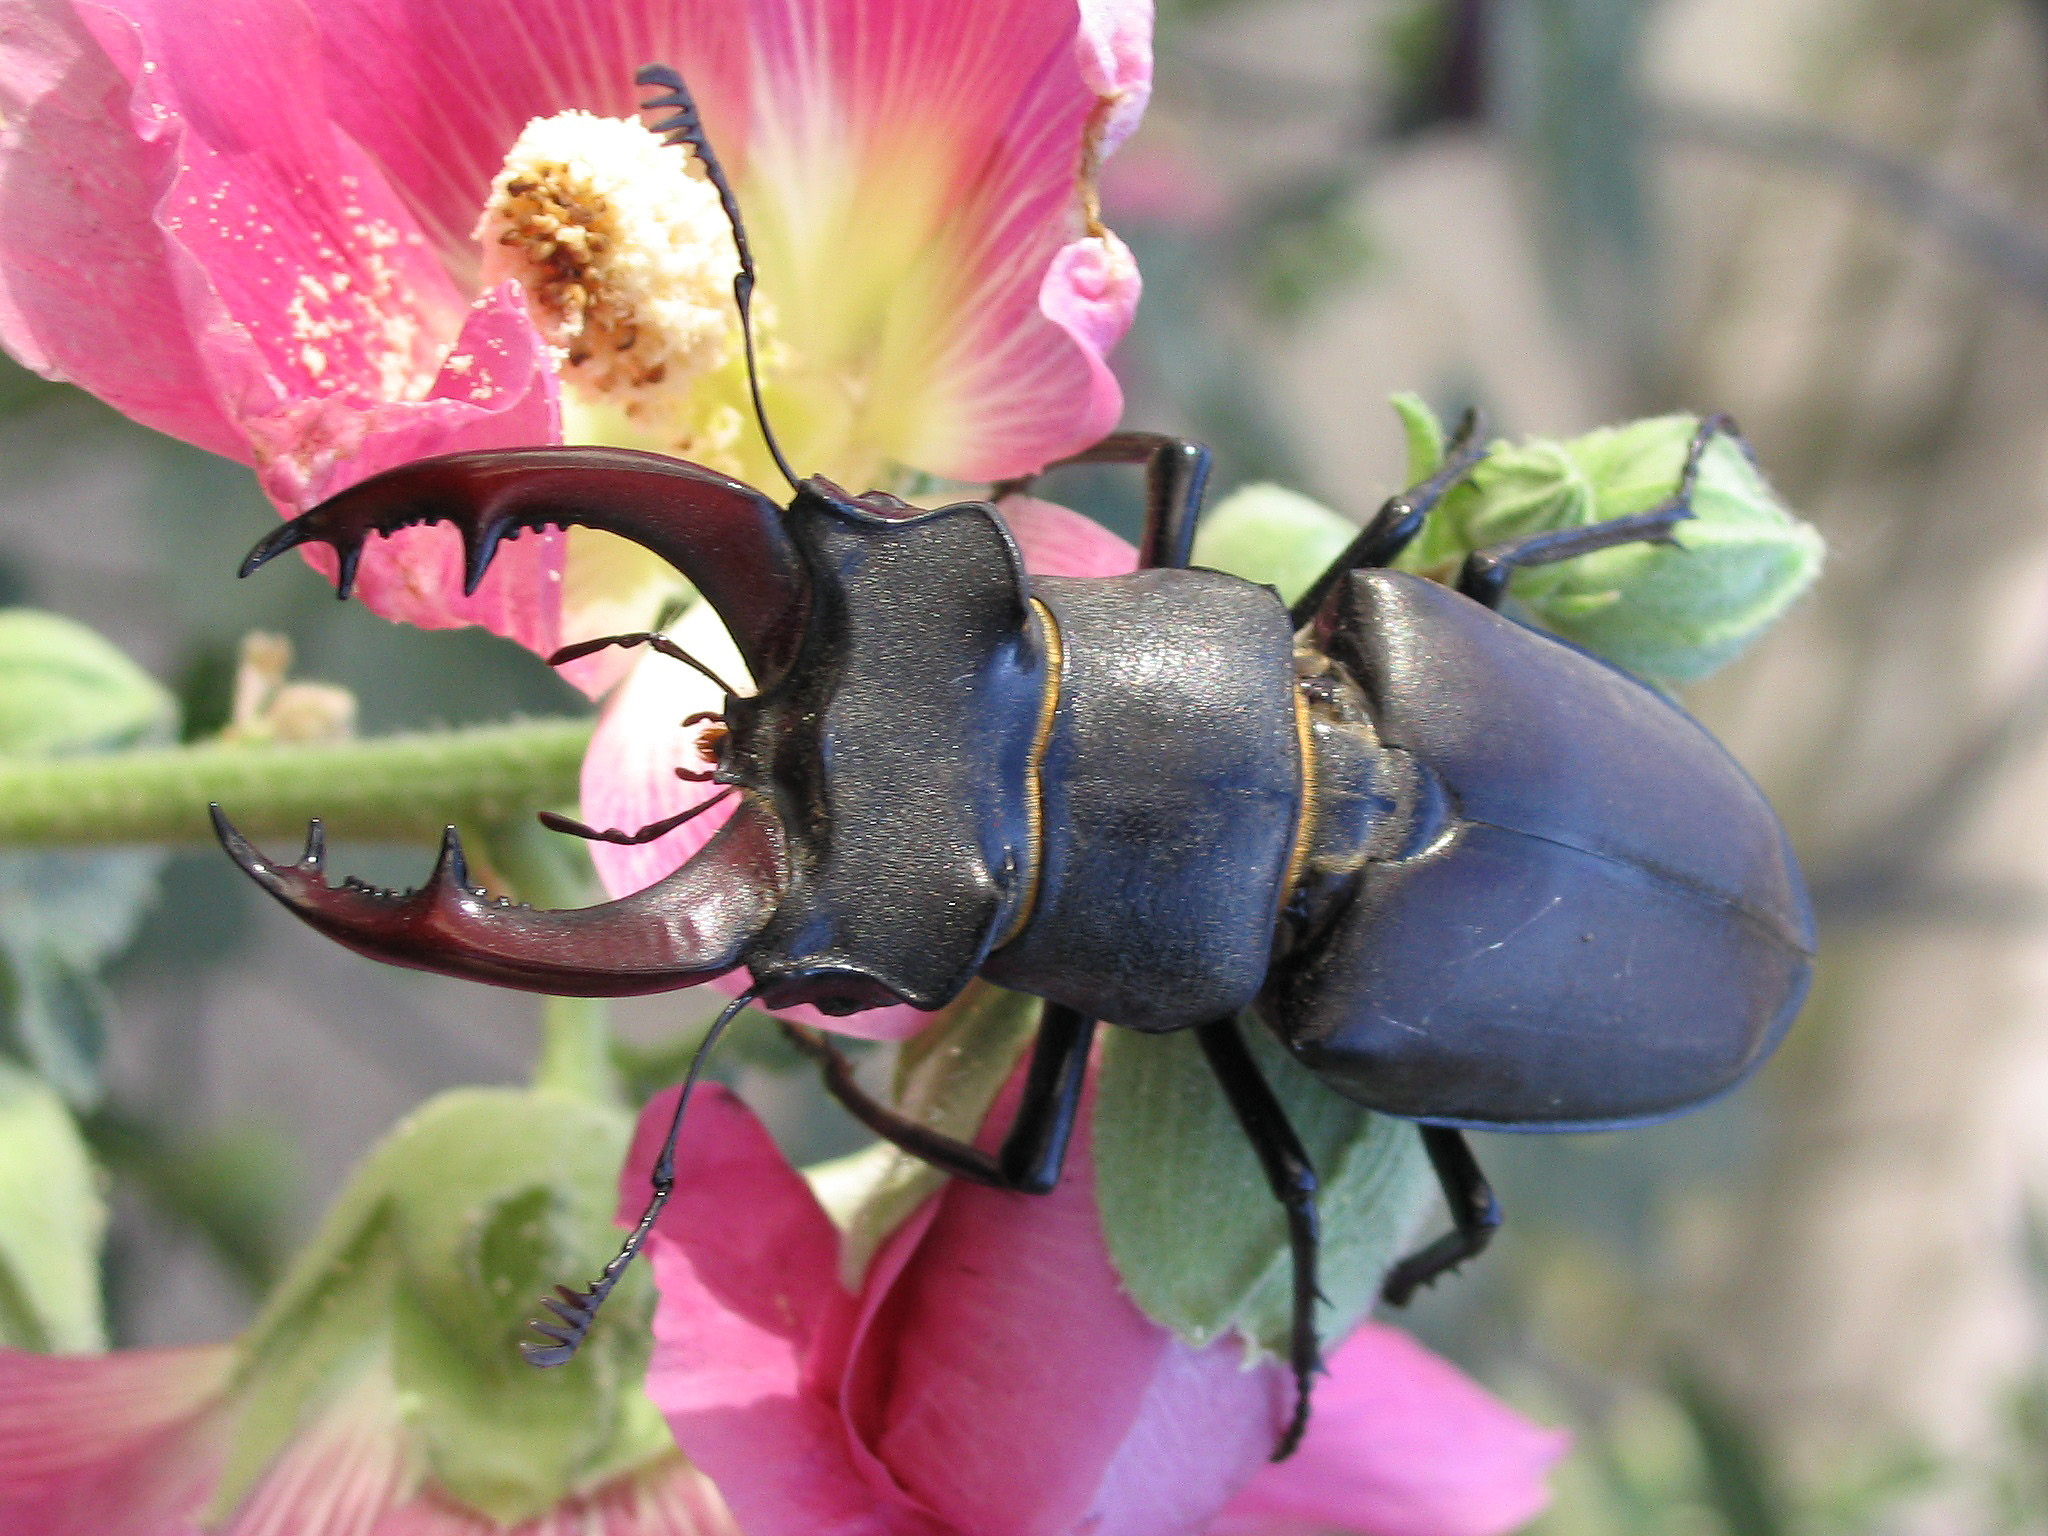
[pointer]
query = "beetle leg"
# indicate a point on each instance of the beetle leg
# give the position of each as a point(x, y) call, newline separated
point(1293, 1178)
point(1484, 577)
point(1176, 475)
point(1394, 527)
point(1475, 1216)
point(1035, 1148)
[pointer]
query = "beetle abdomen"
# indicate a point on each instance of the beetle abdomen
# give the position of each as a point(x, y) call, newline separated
point(1609, 926)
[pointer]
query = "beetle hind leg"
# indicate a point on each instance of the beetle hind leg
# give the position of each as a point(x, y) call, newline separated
point(1475, 1216)
point(1293, 1180)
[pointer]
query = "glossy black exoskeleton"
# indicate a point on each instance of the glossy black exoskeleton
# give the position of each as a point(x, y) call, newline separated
point(1468, 874)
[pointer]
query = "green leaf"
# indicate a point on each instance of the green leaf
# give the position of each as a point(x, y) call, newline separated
point(51, 1223)
point(66, 692)
point(1194, 1229)
point(946, 1078)
point(63, 689)
point(1269, 534)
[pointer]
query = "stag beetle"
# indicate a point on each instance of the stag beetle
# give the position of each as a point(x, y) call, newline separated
point(1471, 875)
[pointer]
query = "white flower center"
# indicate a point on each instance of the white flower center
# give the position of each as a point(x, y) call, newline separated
point(627, 262)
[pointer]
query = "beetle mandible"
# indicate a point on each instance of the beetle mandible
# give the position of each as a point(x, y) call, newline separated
point(1470, 875)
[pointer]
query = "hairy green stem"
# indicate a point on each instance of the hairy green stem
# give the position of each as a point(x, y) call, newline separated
point(576, 1050)
point(388, 788)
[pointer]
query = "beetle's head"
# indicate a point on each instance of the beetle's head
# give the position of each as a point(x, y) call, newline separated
point(882, 842)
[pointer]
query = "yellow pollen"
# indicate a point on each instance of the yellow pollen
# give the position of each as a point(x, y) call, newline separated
point(627, 263)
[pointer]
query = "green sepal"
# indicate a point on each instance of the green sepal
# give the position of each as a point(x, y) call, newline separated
point(1192, 1225)
point(946, 1078)
point(51, 1223)
point(1669, 613)
point(1422, 434)
point(428, 1268)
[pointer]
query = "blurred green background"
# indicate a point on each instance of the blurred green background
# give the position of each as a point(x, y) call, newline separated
point(1820, 1306)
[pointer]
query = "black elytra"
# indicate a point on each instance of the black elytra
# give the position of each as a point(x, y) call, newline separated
point(1468, 874)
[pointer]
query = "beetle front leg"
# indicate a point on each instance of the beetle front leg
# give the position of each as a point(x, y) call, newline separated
point(1475, 1216)
point(1176, 475)
point(1034, 1150)
point(1293, 1178)
point(1484, 576)
point(1394, 527)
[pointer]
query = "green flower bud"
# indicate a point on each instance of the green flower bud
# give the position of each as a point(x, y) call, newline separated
point(51, 1223)
point(1670, 613)
point(419, 1287)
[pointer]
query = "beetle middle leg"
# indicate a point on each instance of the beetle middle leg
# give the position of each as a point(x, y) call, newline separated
point(1176, 475)
point(1475, 1216)
point(1484, 577)
point(1293, 1178)
point(1034, 1150)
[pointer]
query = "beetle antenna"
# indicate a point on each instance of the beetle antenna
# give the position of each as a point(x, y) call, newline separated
point(687, 128)
point(575, 1311)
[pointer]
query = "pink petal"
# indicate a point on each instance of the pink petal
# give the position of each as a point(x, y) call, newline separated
point(125, 1444)
point(960, 132)
point(1115, 53)
point(437, 99)
point(497, 390)
point(303, 275)
point(746, 1265)
point(1002, 1376)
point(86, 286)
point(342, 1473)
point(1058, 541)
point(1401, 1444)
point(1091, 290)
point(323, 325)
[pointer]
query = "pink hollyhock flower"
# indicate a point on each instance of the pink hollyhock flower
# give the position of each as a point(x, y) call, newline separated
point(990, 1377)
point(137, 1444)
point(380, 1392)
point(329, 237)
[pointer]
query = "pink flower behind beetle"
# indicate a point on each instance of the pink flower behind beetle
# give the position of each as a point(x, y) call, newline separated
point(379, 1392)
point(990, 1378)
point(136, 1444)
point(330, 236)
